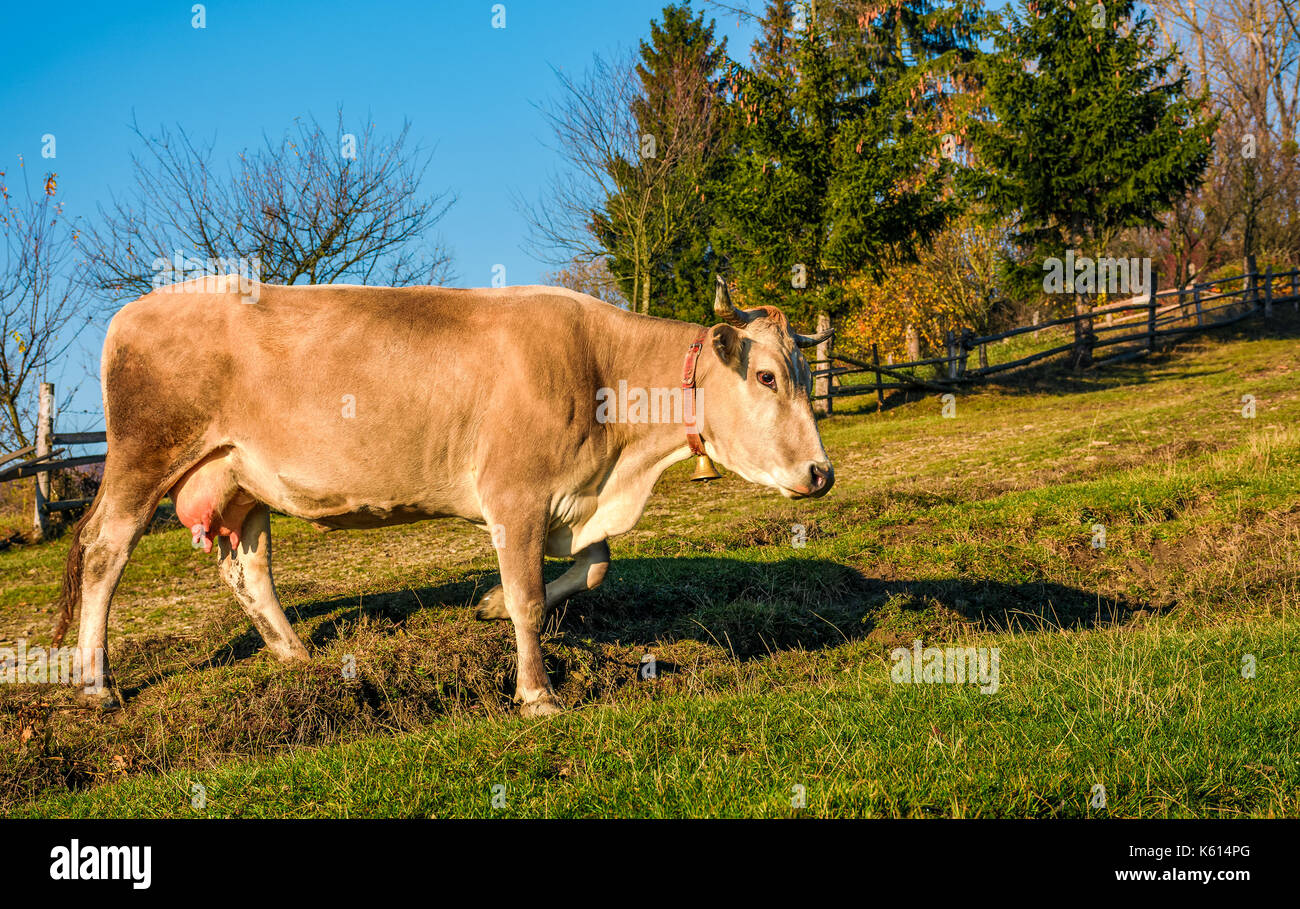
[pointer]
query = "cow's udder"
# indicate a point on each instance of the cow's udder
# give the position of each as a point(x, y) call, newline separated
point(210, 502)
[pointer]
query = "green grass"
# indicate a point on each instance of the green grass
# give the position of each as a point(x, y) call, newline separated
point(1119, 666)
point(1164, 721)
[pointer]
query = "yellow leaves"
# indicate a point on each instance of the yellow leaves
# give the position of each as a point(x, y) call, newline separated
point(51, 184)
point(910, 295)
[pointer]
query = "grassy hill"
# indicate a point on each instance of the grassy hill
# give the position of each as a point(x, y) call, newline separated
point(1120, 667)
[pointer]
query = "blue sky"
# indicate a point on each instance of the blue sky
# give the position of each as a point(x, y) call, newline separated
point(82, 71)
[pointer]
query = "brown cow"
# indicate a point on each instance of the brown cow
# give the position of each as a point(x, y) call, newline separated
point(541, 414)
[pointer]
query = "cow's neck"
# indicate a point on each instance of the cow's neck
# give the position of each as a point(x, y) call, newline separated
point(647, 354)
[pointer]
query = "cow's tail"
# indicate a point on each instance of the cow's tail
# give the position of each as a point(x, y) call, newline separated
point(70, 598)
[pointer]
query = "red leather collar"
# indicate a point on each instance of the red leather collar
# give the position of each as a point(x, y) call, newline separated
point(688, 393)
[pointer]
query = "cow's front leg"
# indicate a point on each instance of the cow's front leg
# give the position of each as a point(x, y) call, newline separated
point(519, 553)
point(586, 573)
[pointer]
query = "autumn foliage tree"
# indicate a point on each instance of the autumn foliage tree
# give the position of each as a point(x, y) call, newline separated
point(955, 285)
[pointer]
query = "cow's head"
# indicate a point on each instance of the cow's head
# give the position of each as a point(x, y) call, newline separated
point(755, 413)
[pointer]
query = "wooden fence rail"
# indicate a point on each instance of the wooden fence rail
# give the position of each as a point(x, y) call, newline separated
point(1141, 321)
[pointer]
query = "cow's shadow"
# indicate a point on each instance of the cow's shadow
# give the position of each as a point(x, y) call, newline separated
point(749, 608)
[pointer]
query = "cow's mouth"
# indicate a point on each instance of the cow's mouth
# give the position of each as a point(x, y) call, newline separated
point(805, 493)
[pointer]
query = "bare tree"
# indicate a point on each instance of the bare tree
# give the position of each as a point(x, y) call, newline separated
point(42, 305)
point(591, 277)
point(1199, 233)
point(1245, 54)
point(624, 194)
point(314, 206)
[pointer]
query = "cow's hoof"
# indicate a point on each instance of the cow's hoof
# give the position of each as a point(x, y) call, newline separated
point(291, 656)
point(543, 706)
point(492, 608)
point(102, 699)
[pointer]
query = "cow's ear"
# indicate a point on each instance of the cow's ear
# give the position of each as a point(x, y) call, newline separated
point(726, 344)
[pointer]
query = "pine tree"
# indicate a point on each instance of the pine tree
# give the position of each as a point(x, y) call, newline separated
point(835, 168)
point(680, 110)
point(1091, 132)
point(772, 50)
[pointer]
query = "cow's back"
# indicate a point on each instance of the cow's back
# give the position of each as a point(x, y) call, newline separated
point(348, 387)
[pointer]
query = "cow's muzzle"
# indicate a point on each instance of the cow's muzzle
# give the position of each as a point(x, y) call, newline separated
point(819, 478)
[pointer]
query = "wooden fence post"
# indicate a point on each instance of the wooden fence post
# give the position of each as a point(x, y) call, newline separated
point(1268, 292)
point(1151, 310)
point(964, 348)
point(825, 384)
point(44, 444)
point(950, 342)
point(984, 356)
point(1295, 288)
point(1083, 334)
point(880, 391)
point(1196, 301)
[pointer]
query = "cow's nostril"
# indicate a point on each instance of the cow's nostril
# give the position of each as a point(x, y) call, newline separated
point(821, 477)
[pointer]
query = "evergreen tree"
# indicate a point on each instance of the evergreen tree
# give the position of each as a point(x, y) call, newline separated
point(680, 117)
point(835, 168)
point(1091, 132)
point(772, 51)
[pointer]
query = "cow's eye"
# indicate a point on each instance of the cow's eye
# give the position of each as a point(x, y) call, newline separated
point(767, 378)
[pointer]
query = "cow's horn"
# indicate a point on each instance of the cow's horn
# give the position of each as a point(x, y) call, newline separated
point(723, 308)
point(813, 340)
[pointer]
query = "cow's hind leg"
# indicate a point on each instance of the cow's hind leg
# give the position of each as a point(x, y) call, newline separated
point(101, 545)
point(586, 573)
point(247, 569)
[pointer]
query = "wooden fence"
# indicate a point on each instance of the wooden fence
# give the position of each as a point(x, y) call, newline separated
point(45, 459)
point(1138, 322)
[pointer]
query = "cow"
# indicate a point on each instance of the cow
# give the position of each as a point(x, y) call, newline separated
point(352, 406)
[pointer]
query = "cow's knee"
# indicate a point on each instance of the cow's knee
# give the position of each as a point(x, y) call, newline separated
point(598, 566)
point(586, 573)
